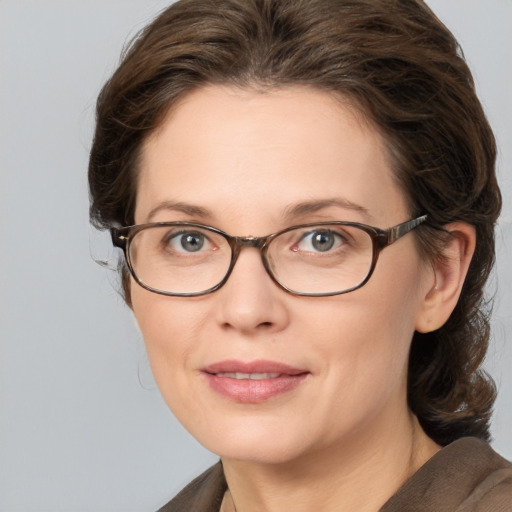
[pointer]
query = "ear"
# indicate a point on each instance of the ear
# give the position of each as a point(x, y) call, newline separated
point(447, 277)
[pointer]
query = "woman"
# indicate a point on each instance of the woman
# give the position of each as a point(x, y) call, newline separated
point(304, 191)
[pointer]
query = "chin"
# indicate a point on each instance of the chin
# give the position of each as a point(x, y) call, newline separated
point(267, 453)
point(252, 441)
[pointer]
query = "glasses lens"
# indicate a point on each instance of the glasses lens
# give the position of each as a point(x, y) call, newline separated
point(179, 258)
point(321, 259)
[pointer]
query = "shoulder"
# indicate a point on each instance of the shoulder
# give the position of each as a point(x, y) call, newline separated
point(204, 494)
point(465, 476)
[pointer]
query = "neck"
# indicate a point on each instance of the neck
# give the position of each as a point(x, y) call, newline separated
point(360, 474)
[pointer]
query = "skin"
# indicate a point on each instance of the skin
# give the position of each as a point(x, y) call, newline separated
point(345, 436)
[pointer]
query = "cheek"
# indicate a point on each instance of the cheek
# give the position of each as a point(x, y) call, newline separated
point(364, 359)
point(365, 336)
point(169, 327)
point(365, 347)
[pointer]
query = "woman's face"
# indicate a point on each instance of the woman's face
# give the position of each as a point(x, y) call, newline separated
point(244, 162)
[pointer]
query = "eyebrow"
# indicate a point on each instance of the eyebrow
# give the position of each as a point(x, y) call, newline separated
point(188, 209)
point(297, 210)
point(314, 206)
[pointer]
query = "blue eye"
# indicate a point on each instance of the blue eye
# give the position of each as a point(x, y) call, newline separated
point(192, 241)
point(320, 241)
point(323, 241)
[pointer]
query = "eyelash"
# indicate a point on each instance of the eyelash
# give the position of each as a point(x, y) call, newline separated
point(175, 236)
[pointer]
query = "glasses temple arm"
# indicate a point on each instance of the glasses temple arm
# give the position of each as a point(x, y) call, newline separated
point(402, 229)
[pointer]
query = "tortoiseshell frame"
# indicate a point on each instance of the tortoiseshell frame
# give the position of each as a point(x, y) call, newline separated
point(381, 238)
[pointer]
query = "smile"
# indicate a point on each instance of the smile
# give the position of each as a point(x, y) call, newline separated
point(248, 376)
point(253, 382)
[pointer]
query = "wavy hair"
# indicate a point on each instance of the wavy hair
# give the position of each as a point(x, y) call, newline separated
point(406, 73)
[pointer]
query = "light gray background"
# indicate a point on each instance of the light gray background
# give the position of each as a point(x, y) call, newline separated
point(82, 427)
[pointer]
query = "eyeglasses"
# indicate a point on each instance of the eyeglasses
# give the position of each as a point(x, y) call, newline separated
point(186, 259)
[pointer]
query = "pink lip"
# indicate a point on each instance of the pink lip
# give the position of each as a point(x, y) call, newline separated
point(253, 391)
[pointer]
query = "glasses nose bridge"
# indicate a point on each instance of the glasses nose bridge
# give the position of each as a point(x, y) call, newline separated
point(242, 242)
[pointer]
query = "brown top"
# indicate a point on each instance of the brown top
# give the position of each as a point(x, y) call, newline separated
point(465, 476)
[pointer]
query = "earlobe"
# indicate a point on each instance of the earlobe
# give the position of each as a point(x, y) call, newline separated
point(448, 275)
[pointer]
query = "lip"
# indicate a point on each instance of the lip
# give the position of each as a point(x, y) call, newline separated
point(284, 378)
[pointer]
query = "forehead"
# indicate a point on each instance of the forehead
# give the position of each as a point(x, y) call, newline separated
point(246, 154)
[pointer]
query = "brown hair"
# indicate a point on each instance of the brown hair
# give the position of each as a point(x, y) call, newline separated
point(407, 74)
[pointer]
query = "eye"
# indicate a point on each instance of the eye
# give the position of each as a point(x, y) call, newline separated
point(319, 241)
point(192, 241)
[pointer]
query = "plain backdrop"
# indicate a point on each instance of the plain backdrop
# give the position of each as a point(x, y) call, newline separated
point(82, 425)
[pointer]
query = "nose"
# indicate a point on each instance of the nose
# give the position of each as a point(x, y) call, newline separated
point(250, 302)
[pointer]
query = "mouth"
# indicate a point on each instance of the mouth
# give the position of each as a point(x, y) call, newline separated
point(248, 376)
point(253, 382)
